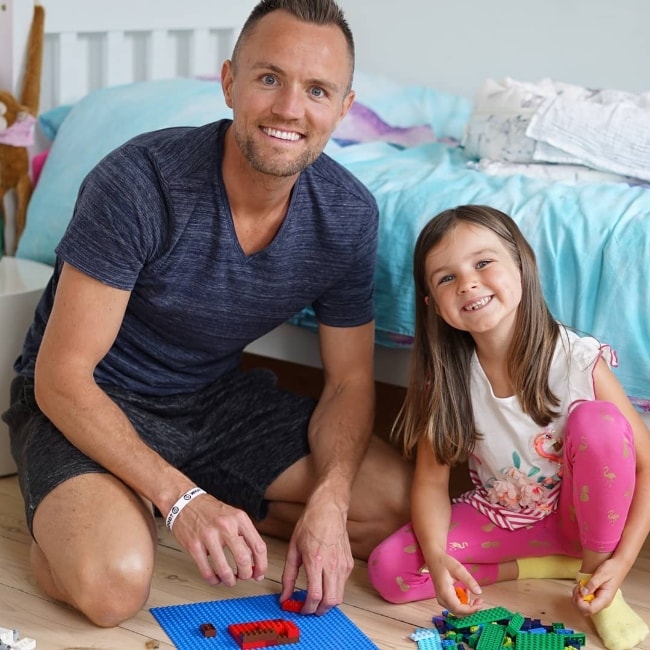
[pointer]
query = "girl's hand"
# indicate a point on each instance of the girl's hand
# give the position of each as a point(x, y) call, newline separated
point(456, 588)
point(599, 591)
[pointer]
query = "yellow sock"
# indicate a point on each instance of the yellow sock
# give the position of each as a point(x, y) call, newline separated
point(549, 566)
point(618, 625)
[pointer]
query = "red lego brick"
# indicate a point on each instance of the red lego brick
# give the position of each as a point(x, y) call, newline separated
point(263, 634)
point(292, 605)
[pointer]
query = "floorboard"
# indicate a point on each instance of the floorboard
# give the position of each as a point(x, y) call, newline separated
point(55, 627)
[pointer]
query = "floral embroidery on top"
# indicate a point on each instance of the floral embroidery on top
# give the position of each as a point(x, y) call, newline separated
point(517, 490)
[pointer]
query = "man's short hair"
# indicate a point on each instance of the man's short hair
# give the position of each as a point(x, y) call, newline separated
point(317, 12)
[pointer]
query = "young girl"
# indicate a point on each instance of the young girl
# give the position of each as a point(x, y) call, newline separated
point(559, 458)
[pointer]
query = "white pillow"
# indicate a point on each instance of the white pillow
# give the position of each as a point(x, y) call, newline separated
point(96, 125)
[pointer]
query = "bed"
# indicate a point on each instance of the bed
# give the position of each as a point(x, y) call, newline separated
point(128, 67)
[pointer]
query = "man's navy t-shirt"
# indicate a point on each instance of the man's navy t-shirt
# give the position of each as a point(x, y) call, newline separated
point(153, 218)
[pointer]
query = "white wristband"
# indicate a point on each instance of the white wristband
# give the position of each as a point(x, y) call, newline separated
point(180, 504)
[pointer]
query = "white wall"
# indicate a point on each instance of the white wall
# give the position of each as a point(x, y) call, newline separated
point(455, 44)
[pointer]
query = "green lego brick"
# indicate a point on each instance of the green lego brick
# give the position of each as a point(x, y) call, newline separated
point(515, 624)
point(492, 635)
point(472, 639)
point(580, 637)
point(478, 618)
point(549, 641)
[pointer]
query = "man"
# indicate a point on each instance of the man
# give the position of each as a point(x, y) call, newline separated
point(186, 244)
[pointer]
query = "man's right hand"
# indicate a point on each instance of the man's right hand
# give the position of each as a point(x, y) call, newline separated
point(207, 527)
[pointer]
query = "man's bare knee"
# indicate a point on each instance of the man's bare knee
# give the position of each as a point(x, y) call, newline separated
point(108, 592)
point(100, 564)
point(114, 594)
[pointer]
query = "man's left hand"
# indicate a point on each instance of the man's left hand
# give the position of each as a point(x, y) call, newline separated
point(321, 545)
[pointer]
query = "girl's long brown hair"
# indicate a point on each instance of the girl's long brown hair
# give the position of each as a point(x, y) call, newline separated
point(438, 404)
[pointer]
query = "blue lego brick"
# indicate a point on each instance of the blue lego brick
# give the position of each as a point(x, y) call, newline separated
point(423, 633)
point(427, 643)
point(440, 624)
point(530, 623)
point(332, 631)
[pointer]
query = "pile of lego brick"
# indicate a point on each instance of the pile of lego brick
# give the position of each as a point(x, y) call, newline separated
point(492, 629)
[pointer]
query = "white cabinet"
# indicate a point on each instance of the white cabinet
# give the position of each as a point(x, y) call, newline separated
point(21, 285)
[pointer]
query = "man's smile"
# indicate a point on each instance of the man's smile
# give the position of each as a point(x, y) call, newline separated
point(291, 136)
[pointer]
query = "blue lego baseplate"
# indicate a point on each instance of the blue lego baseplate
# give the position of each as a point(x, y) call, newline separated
point(332, 631)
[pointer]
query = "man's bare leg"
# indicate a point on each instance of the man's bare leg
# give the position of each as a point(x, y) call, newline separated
point(95, 547)
point(380, 501)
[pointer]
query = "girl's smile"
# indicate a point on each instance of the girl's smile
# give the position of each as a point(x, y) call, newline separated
point(478, 304)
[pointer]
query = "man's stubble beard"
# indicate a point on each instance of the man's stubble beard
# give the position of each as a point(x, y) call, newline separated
point(265, 165)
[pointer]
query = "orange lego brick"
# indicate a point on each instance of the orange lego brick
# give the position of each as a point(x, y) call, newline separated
point(462, 594)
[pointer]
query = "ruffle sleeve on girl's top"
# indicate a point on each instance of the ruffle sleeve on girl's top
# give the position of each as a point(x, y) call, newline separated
point(583, 354)
point(586, 350)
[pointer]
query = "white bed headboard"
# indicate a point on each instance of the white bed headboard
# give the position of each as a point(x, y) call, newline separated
point(94, 44)
point(449, 45)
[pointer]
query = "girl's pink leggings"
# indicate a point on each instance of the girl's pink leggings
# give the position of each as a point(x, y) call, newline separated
point(597, 489)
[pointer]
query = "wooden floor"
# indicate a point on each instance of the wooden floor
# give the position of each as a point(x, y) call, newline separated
point(24, 607)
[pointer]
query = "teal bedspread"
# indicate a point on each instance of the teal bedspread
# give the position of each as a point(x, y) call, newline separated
point(592, 240)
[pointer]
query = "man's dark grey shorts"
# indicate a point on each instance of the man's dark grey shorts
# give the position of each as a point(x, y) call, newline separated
point(233, 439)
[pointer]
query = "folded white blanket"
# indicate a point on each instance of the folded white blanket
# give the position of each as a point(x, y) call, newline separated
point(556, 122)
point(607, 130)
